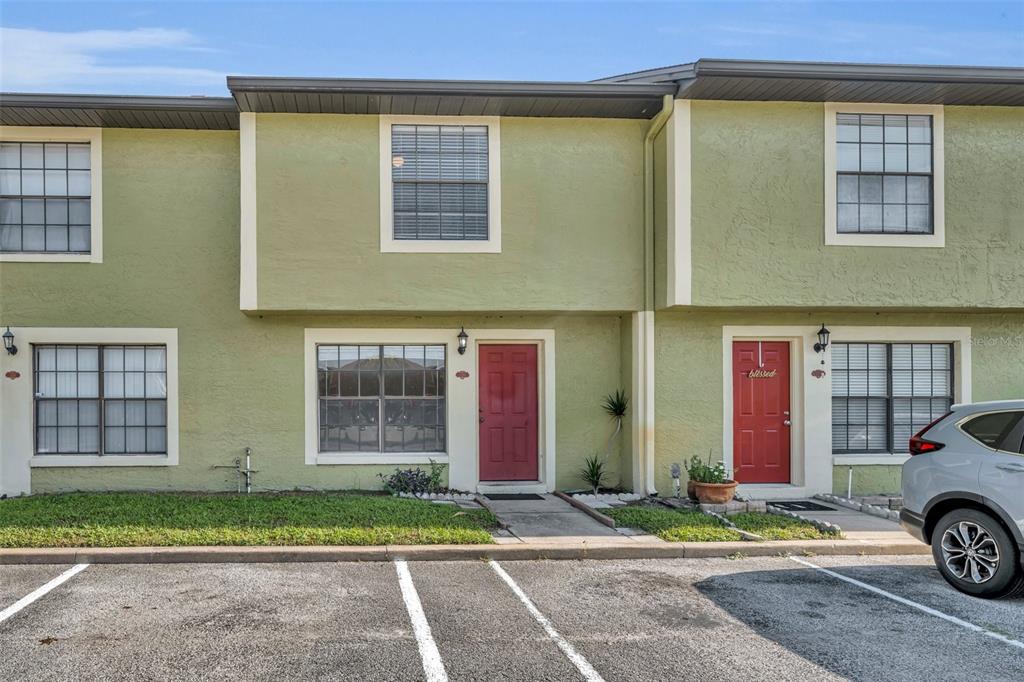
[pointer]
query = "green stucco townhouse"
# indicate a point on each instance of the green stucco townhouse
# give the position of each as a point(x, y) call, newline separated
point(289, 270)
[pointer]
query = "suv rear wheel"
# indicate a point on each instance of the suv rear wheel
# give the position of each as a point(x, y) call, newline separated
point(976, 555)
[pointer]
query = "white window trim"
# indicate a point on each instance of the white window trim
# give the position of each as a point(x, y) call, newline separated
point(938, 237)
point(461, 398)
point(94, 136)
point(17, 424)
point(388, 243)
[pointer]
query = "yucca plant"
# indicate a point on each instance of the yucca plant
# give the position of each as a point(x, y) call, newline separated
point(593, 472)
point(615, 406)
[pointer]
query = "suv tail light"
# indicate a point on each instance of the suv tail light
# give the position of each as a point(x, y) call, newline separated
point(920, 445)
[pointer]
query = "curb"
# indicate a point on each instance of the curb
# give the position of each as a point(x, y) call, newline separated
point(510, 552)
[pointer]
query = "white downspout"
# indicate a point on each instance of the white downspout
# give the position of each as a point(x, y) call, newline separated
point(644, 338)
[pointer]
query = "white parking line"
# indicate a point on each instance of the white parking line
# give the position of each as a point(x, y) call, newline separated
point(37, 593)
point(914, 605)
point(433, 667)
point(577, 659)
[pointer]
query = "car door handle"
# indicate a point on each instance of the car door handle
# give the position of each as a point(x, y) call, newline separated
point(1018, 468)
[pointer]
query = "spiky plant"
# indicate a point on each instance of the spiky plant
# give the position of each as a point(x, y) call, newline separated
point(593, 472)
point(615, 406)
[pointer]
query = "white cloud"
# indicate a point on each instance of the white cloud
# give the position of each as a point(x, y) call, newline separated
point(81, 60)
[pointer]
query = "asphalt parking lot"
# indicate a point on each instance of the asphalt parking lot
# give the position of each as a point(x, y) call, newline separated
point(697, 619)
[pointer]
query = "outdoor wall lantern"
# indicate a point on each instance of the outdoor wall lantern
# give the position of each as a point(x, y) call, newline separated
point(822, 344)
point(9, 342)
point(463, 340)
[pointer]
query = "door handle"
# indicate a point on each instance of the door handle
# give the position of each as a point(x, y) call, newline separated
point(1017, 468)
point(786, 422)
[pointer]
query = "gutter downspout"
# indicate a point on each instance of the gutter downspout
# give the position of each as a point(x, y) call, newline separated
point(644, 349)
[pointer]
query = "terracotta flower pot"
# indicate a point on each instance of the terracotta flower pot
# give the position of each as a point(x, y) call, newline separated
point(715, 493)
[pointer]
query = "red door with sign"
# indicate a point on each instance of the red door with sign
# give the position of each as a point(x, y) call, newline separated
point(508, 412)
point(760, 411)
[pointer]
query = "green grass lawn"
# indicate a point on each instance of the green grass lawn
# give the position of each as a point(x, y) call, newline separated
point(775, 527)
point(177, 519)
point(673, 525)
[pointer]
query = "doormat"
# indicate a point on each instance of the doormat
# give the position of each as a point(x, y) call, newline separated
point(801, 505)
point(513, 496)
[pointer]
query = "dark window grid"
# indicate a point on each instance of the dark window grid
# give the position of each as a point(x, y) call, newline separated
point(67, 181)
point(860, 162)
point(382, 397)
point(891, 399)
point(883, 203)
point(421, 232)
point(399, 179)
point(101, 400)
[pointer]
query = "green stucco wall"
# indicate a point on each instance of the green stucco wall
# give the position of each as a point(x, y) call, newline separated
point(688, 362)
point(571, 214)
point(171, 255)
point(758, 215)
point(867, 480)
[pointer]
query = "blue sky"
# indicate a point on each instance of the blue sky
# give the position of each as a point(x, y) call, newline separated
point(187, 47)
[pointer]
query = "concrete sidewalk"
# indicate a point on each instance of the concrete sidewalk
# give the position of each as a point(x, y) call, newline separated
point(859, 525)
point(552, 521)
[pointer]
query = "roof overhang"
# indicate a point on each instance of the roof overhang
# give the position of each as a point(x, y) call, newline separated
point(116, 111)
point(724, 79)
point(448, 98)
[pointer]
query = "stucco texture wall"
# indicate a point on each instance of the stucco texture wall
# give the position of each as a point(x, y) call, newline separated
point(867, 480)
point(688, 362)
point(171, 259)
point(571, 214)
point(758, 215)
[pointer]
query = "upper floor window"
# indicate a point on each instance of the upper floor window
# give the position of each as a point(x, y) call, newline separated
point(49, 194)
point(883, 174)
point(439, 184)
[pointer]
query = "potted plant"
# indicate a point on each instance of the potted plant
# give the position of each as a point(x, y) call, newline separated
point(709, 483)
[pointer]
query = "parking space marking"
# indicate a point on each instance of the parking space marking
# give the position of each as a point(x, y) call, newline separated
point(37, 593)
point(433, 666)
point(914, 605)
point(577, 659)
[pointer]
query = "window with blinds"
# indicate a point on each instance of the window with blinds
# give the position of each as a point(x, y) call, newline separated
point(440, 176)
point(884, 181)
point(883, 393)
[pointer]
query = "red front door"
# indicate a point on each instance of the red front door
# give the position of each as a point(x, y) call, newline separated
point(508, 412)
point(760, 411)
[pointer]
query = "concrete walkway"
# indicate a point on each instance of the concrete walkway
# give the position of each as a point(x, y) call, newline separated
point(858, 525)
point(552, 521)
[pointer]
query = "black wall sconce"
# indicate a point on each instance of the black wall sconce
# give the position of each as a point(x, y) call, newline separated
point(463, 340)
point(822, 343)
point(8, 337)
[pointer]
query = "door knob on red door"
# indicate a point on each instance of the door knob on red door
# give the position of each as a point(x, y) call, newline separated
point(786, 422)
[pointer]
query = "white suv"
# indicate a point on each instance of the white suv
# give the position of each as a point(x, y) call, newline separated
point(963, 493)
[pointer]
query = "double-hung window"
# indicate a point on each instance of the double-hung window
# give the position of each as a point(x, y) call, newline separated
point(439, 185)
point(884, 175)
point(883, 393)
point(47, 197)
point(381, 398)
point(100, 399)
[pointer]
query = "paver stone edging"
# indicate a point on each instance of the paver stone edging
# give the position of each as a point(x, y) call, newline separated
point(823, 526)
point(510, 552)
point(874, 510)
point(586, 509)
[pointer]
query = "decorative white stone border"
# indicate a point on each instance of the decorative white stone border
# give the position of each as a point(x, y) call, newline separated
point(745, 534)
point(448, 497)
point(606, 500)
point(873, 510)
point(823, 526)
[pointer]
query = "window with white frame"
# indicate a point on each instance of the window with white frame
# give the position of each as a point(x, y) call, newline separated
point(883, 393)
point(45, 197)
point(100, 399)
point(884, 173)
point(440, 176)
point(381, 398)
